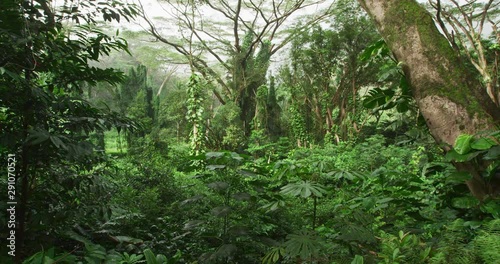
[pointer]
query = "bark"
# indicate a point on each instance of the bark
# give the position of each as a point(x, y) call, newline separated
point(449, 97)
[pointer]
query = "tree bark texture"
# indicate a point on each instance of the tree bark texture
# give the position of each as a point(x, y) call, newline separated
point(450, 97)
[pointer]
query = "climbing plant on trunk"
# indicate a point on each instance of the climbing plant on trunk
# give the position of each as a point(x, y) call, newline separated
point(195, 112)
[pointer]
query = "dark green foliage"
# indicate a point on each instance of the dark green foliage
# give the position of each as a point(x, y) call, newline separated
point(324, 78)
point(367, 186)
point(47, 122)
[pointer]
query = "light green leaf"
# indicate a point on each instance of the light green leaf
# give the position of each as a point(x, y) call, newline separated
point(304, 189)
point(358, 260)
point(150, 257)
point(218, 185)
point(483, 144)
point(463, 144)
point(215, 167)
point(221, 211)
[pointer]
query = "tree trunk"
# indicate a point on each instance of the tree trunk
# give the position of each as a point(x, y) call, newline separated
point(450, 98)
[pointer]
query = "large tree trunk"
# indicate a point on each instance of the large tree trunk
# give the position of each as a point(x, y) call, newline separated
point(450, 98)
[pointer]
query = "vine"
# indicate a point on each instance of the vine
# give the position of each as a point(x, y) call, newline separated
point(195, 113)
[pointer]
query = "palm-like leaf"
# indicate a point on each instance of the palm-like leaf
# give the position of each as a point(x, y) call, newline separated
point(303, 244)
point(304, 189)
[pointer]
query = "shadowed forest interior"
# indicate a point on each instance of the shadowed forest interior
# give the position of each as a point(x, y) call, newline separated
point(250, 131)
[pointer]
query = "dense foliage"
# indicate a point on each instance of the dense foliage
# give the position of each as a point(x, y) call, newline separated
point(334, 163)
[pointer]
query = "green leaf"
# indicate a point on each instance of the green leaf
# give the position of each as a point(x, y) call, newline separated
point(161, 259)
point(175, 258)
point(493, 153)
point(274, 205)
point(483, 144)
point(37, 137)
point(150, 257)
point(453, 155)
point(212, 155)
point(377, 97)
point(358, 260)
point(304, 244)
point(377, 48)
point(395, 253)
point(425, 254)
point(385, 200)
point(128, 239)
point(215, 167)
point(492, 207)
point(192, 224)
point(463, 144)
point(458, 177)
point(404, 86)
point(466, 202)
point(58, 142)
point(218, 186)
point(242, 196)
point(221, 211)
point(226, 251)
point(273, 255)
point(402, 106)
point(192, 199)
point(304, 189)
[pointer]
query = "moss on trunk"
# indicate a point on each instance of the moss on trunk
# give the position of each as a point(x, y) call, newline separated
point(451, 99)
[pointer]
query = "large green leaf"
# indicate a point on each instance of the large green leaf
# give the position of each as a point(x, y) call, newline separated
point(377, 49)
point(493, 153)
point(225, 251)
point(37, 137)
point(218, 186)
point(274, 205)
point(463, 143)
point(214, 155)
point(273, 255)
point(358, 260)
point(483, 143)
point(453, 155)
point(304, 244)
point(215, 167)
point(242, 196)
point(193, 224)
point(304, 189)
point(458, 177)
point(221, 211)
point(150, 257)
point(377, 97)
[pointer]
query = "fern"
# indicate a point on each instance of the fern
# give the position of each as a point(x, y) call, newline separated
point(487, 243)
point(460, 246)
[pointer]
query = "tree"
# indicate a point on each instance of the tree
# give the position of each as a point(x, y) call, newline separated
point(42, 68)
point(136, 99)
point(325, 74)
point(241, 41)
point(464, 26)
point(446, 92)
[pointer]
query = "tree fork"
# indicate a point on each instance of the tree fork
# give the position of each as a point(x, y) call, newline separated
point(447, 94)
